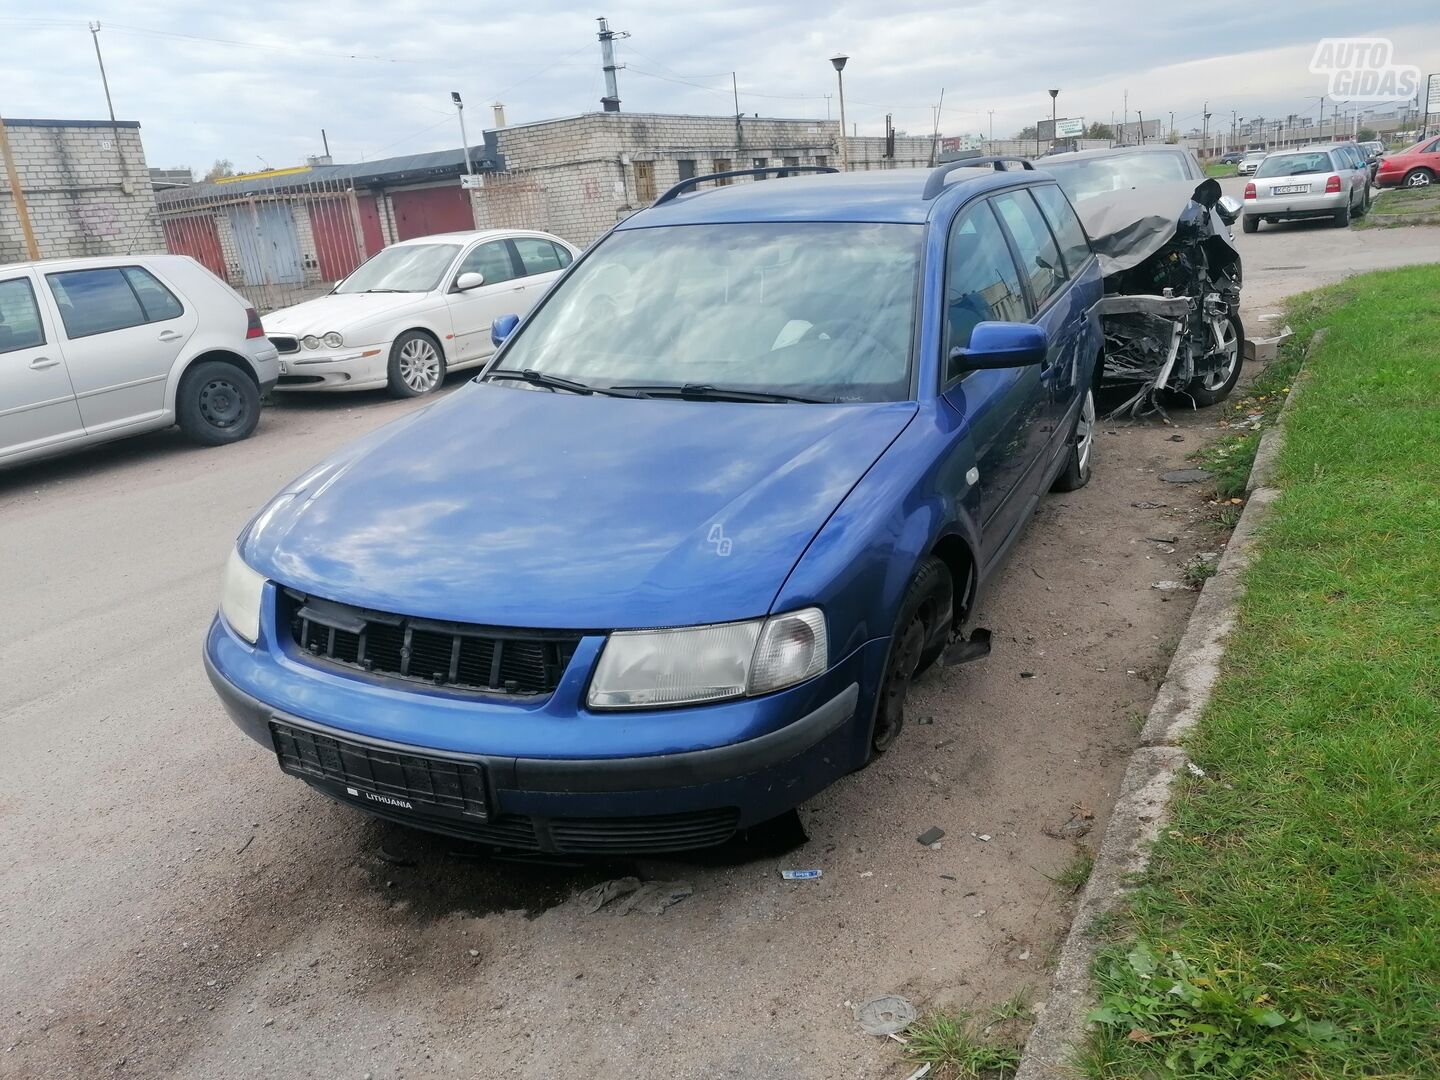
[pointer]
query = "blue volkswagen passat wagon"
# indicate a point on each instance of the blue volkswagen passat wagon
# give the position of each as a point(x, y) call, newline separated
point(665, 568)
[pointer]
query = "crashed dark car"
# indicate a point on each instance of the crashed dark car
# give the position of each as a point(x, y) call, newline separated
point(1171, 311)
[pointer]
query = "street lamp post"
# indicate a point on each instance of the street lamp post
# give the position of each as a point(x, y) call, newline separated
point(1053, 95)
point(465, 153)
point(838, 62)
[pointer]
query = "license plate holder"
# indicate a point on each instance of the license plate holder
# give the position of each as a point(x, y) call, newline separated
point(382, 777)
point(1290, 189)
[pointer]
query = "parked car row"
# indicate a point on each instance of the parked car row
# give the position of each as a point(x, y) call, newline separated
point(1330, 181)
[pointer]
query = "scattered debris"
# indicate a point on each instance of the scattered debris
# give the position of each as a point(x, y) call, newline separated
point(632, 894)
point(1079, 823)
point(930, 835)
point(925, 720)
point(984, 837)
point(1171, 586)
point(922, 1071)
point(1149, 505)
point(1163, 539)
point(867, 873)
point(800, 875)
point(1187, 476)
point(1177, 438)
point(248, 841)
point(887, 1015)
point(979, 914)
point(1025, 954)
point(1027, 674)
point(1195, 770)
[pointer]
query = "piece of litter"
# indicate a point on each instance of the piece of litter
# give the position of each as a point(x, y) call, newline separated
point(1025, 954)
point(1149, 505)
point(1195, 770)
point(597, 896)
point(800, 875)
point(1162, 539)
point(922, 1071)
point(1170, 586)
point(978, 913)
point(985, 836)
point(867, 873)
point(1177, 438)
point(886, 1015)
point(930, 835)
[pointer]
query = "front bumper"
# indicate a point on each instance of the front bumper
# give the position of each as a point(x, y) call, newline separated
point(361, 368)
point(715, 769)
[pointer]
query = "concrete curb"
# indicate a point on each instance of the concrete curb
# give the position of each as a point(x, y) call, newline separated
point(1142, 808)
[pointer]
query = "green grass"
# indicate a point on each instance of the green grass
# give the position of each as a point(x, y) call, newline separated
point(1077, 871)
point(1404, 206)
point(957, 1050)
point(1220, 172)
point(1289, 925)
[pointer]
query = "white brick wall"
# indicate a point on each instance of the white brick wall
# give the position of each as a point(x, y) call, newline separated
point(76, 194)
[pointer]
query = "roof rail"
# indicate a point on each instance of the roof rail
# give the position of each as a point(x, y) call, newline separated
point(936, 183)
point(782, 170)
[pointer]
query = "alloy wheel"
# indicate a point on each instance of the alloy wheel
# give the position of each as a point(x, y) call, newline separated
point(1419, 178)
point(1085, 431)
point(420, 365)
point(1224, 331)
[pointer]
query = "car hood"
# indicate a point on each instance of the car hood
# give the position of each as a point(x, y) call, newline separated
point(1126, 227)
point(337, 311)
point(513, 507)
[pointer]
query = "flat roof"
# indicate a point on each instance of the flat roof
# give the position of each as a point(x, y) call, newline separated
point(14, 122)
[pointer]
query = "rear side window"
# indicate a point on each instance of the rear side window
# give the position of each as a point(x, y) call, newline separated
point(1039, 254)
point(981, 282)
point(95, 301)
point(491, 260)
point(159, 302)
point(1074, 245)
point(19, 316)
point(540, 256)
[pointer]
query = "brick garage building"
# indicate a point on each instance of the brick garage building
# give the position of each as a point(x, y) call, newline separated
point(86, 186)
point(576, 176)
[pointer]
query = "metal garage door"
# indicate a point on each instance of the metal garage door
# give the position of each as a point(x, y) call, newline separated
point(266, 242)
point(197, 236)
point(333, 227)
point(425, 211)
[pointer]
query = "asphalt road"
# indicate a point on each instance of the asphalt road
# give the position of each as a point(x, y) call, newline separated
point(172, 906)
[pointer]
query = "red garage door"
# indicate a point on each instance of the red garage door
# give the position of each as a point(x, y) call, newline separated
point(425, 211)
point(333, 228)
point(197, 237)
point(370, 224)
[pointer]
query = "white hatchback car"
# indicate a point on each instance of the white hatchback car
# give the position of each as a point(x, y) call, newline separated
point(414, 311)
point(99, 348)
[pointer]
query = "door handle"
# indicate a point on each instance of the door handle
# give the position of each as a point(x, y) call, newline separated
point(171, 335)
point(519, 288)
point(40, 363)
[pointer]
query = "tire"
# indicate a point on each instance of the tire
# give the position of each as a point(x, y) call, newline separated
point(928, 601)
point(1342, 217)
point(1214, 388)
point(1418, 178)
point(1365, 202)
point(1076, 473)
point(217, 403)
point(1250, 223)
point(417, 365)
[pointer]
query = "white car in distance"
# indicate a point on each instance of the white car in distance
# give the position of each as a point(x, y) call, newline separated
point(415, 311)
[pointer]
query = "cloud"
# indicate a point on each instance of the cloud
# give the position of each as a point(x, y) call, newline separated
point(378, 79)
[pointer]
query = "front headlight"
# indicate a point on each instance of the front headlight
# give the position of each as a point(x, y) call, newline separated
point(334, 340)
point(240, 593)
point(310, 341)
point(695, 664)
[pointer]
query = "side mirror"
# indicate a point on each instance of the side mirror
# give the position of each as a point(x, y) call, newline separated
point(1229, 209)
point(469, 280)
point(1001, 345)
point(502, 328)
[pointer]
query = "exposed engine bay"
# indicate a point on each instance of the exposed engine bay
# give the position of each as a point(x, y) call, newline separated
point(1172, 292)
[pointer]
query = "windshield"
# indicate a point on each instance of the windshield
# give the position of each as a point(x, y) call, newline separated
point(820, 310)
point(403, 268)
point(1083, 177)
point(1294, 164)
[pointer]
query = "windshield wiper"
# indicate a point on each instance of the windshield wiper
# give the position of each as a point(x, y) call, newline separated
point(706, 392)
point(386, 290)
point(555, 382)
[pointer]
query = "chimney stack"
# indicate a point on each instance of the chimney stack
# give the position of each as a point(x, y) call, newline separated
point(499, 114)
point(611, 101)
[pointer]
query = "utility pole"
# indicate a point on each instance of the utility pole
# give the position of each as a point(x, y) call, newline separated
point(739, 125)
point(1124, 116)
point(838, 63)
point(1321, 136)
point(1172, 130)
point(992, 125)
point(1054, 96)
point(934, 138)
point(464, 141)
point(611, 101)
point(114, 127)
point(17, 193)
point(827, 107)
point(1140, 117)
point(1205, 129)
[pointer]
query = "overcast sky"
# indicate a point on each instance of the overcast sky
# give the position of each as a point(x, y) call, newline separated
point(379, 81)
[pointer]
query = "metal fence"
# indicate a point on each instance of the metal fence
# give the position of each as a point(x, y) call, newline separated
point(275, 241)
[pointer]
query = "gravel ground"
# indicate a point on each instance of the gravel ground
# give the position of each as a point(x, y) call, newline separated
point(172, 906)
